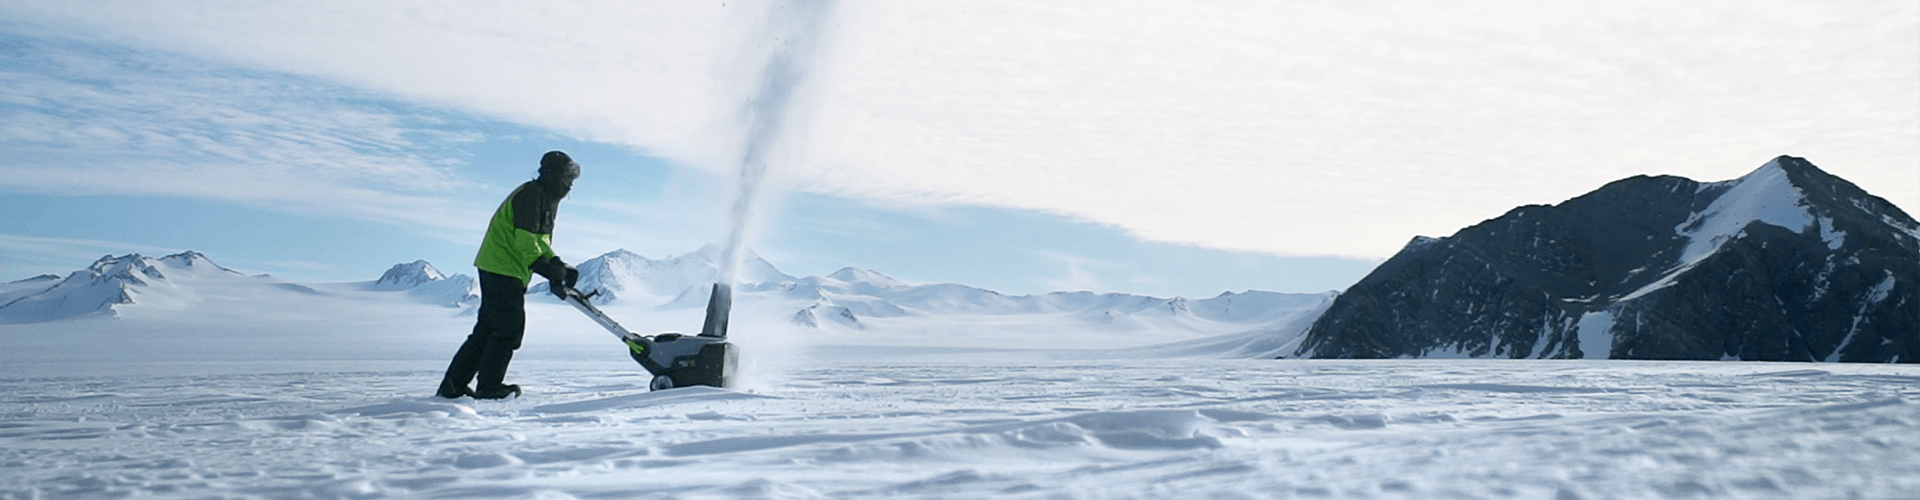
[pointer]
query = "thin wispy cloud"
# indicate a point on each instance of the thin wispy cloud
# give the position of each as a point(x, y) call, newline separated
point(1285, 128)
point(83, 120)
point(41, 252)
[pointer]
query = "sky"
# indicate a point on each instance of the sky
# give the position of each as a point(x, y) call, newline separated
point(1163, 148)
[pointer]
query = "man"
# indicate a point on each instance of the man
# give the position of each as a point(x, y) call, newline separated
point(519, 244)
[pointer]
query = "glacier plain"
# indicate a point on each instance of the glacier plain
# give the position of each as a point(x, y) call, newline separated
point(293, 401)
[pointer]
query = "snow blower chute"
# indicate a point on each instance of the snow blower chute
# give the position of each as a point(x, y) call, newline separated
point(674, 359)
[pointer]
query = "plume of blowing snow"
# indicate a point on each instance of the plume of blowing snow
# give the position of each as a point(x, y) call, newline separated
point(792, 35)
point(770, 120)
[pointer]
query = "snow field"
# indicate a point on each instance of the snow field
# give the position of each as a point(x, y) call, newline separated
point(327, 395)
point(849, 424)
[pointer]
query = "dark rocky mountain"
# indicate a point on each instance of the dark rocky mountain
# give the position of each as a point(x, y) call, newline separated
point(1787, 263)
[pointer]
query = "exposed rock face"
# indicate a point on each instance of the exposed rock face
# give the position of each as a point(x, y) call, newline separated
point(1786, 263)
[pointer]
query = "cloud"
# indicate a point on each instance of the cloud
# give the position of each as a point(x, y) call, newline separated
point(671, 78)
point(1346, 129)
point(42, 253)
point(1288, 128)
point(84, 120)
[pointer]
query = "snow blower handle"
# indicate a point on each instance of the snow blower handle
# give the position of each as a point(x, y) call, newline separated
point(584, 302)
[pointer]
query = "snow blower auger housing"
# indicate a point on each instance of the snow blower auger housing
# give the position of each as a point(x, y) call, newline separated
point(675, 359)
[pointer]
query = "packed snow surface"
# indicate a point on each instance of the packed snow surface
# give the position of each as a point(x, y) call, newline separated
point(111, 407)
point(1035, 429)
point(249, 387)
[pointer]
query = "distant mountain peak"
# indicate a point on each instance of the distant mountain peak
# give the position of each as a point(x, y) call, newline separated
point(853, 275)
point(186, 257)
point(109, 260)
point(1794, 164)
point(195, 262)
point(408, 275)
point(622, 274)
point(712, 253)
point(40, 278)
point(133, 268)
point(110, 282)
point(1767, 195)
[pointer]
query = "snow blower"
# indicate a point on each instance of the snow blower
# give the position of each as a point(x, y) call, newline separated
point(675, 359)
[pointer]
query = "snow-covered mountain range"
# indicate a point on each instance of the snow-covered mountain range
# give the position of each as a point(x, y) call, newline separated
point(1786, 263)
point(189, 280)
point(849, 299)
point(626, 276)
point(109, 284)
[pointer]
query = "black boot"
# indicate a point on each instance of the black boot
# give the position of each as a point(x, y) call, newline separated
point(460, 372)
point(498, 392)
point(454, 392)
point(493, 371)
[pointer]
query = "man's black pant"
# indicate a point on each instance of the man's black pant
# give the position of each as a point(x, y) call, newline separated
point(488, 350)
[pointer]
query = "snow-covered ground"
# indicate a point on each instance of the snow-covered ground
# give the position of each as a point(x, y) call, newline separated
point(1175, 429)
point(207, 383)
point(317, 405)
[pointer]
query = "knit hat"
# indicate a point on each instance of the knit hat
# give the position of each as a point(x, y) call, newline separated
point(556, 164)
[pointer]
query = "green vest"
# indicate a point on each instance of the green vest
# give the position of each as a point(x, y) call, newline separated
point(508, 249)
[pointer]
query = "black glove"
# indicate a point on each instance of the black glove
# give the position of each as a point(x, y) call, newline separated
point(568, 277)
point(555, 271)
